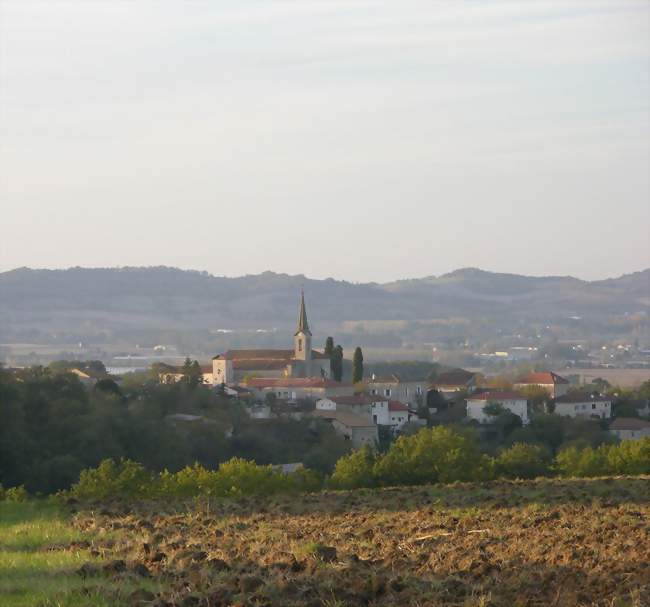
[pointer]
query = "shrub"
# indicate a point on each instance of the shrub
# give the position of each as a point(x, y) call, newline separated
point(355, 470)
point(111, 479)
point(439, 454)
point(523, 460)
point(581, 462)
point(629, 457)
point(13, 494)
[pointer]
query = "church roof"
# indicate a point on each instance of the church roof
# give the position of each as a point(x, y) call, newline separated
point(303, 325)
point(266, 355)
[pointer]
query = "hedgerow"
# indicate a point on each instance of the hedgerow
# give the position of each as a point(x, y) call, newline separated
point(236, 477)
point(433, 455)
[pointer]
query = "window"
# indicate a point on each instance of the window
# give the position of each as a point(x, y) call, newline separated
point(373, 391)
point(593, 405)
point(374, 419)
point(300, 345)
point(418, 390)
point(387, 392)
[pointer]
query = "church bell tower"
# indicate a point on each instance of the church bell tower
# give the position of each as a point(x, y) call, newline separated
point(302, 338)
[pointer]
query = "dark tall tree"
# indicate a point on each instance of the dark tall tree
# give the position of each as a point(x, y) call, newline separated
point(357, 365)
point(336, 363)
point(192, 374)
point(329, 346)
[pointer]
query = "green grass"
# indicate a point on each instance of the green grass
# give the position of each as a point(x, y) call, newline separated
point(38, 567)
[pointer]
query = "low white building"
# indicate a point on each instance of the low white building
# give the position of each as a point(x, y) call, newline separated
point(630, 428)
point(510, 401)
point(584, 405)
point(382, 411)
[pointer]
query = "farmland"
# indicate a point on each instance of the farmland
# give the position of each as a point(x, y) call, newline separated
point(543, 542)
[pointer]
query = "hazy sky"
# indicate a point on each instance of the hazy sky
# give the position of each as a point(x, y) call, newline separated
point(360, 140)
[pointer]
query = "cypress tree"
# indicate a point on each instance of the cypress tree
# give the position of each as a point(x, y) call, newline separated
point(357, 365)
point(329, 346)
point(336, 363)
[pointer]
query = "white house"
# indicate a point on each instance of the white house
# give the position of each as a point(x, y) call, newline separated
point(630, 428)
point(584, 405)
point(382, 411)
point(511, 401)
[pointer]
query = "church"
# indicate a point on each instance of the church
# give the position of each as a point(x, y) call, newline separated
point(233, 366)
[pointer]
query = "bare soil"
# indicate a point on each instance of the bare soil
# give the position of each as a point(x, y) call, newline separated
point(534, 543)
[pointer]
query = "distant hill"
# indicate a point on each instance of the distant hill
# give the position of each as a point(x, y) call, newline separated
point(162, 297)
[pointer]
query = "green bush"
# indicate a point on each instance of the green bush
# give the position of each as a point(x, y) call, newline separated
point(433, 455)
point(236, 477)
point(13, 494)
point(628, 457)
point(523, 460)
point(124, 479)
point(355, 470)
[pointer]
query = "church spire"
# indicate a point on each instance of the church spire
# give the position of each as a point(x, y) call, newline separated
point(303, 325)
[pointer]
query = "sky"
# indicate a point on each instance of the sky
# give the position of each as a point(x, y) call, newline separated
point(367, 141)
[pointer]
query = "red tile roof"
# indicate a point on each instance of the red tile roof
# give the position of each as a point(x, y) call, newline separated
point(395, 405)
point(542, 379)
point(265, 354)
point(629, 423)
point(456, 377)
point(259, 364)
point(294, 382)
point(497, 396)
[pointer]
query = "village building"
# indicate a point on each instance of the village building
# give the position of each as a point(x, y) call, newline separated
point(234, 366)
point(511, 401)
point(555, 385)
point(170, 374)
point(89, 377)
point(584, 405)
point(297, 388)
point(383, 411)
point(450, 383)
point(359, 430)
point(412, 393)
point(630, 428)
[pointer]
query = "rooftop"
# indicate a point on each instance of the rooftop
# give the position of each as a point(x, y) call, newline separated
point(455, 377)
point(542, 378)
point(347, 419)
point(294, 382)
point(506, 395)
point(629, 423)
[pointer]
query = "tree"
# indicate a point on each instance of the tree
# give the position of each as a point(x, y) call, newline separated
point(493, 409)
point(523, 460)
point(192, 374)
point(357, 365)
point(329, 346)
point(355, 470)
point(336, 363)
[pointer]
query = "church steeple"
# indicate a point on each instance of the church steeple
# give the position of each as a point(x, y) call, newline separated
point(302, 338)
point(303, 325)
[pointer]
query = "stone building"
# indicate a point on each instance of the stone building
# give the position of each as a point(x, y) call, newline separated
point(234, 366)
